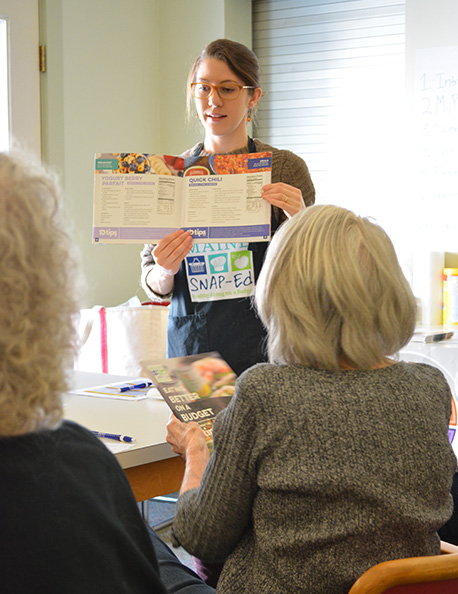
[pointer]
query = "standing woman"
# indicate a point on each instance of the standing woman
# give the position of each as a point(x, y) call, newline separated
point(225, 85)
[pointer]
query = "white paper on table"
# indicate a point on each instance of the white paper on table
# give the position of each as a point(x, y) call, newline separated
point(112, 390)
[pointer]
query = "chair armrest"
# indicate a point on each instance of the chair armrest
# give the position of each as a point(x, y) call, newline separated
point(448, 548)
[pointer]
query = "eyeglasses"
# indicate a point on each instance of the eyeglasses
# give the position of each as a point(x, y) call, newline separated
point(228, 91)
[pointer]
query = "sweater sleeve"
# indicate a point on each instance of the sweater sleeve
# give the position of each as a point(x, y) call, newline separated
point(289, 168)
point(211, 520)
point(148, 263)
point(294, 171)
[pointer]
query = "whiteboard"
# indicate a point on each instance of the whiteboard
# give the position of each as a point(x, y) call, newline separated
point(435, 149)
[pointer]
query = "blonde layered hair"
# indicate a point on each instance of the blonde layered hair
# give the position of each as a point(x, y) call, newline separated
point(332, 294)
point(36, 302)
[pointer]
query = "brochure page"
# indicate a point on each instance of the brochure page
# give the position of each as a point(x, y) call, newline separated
point(142, 197)
point(195, 387)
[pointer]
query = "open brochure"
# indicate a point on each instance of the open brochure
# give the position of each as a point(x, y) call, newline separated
point(196, 387)
point(142, 197)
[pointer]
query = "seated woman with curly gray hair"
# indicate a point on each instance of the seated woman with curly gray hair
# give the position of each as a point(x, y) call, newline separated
point(334, 456)
point(69, 523)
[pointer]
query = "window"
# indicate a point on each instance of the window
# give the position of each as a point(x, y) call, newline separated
point(333, 78)
point(4, 86)
point(19, 75)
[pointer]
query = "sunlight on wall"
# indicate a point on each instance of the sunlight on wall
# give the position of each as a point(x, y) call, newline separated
point(367, 148)
point(367, 157)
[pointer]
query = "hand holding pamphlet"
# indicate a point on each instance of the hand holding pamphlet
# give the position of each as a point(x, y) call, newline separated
point(142, 197)
point(195, 387)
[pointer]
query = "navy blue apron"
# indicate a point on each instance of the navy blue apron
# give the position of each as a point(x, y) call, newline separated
point(230, 326)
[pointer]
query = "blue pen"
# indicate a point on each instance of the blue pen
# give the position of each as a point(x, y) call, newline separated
point(125, 438)
point(129, 387)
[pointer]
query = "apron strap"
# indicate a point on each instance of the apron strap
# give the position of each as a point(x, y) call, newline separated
point(251, 146)
point(188, 161)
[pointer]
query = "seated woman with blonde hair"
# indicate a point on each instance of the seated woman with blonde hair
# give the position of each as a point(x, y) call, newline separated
point(70, 523)
point(334, 456)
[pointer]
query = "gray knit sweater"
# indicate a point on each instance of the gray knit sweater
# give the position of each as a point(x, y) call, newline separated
point(316, 476)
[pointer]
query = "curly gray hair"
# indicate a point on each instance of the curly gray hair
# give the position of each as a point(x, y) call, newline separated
point(36, 300)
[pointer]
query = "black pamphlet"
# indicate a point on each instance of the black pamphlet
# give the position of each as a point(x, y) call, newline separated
point(196, 387)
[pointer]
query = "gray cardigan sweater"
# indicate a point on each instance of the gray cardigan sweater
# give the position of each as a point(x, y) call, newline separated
point(316, 476)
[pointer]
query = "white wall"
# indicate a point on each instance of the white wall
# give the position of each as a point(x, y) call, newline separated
point(186, 26)
point(116, 82)
point(430, 25)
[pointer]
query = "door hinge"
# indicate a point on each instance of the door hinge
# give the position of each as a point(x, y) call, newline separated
point(42, 58)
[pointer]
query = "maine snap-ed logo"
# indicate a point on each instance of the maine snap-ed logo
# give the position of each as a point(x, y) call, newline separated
point(196, 265)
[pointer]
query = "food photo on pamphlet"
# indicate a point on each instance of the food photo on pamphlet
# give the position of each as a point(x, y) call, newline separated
point(196, 387)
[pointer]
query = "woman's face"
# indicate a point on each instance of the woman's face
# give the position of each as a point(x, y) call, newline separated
point(223, 118)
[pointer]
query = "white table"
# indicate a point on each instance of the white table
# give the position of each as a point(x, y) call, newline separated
point(150, 465)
